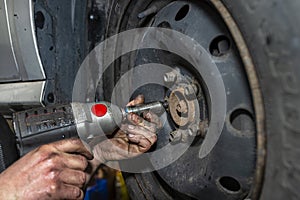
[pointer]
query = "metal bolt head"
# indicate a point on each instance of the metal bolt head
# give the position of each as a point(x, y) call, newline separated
point(175, 136)
point(92, 17)
point(170, 77)
point(187, 91)
point(191, 90)
point(184, 138)
point(193, 130)
point(203, 128)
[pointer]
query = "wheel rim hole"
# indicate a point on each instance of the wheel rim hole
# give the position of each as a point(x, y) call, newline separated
point(39, 20)
point(229, 184)
point(219, 46)
point(242, 120)
point(164, 24)
point(182, 13)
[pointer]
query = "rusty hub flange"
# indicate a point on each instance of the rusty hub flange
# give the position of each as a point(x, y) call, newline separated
point(184, 106)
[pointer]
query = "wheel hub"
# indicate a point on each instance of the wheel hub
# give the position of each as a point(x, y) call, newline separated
point(183, 99)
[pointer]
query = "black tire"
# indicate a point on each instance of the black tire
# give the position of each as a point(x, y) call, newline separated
point(273, 39)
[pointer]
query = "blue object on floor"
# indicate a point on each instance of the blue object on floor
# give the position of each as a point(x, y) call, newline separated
point(99, 191)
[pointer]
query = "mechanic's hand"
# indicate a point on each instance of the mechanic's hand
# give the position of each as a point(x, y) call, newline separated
point(134, 138)
point(53, 171)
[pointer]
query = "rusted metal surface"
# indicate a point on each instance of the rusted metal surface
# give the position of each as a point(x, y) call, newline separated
point(184, 106)
point(182, 110)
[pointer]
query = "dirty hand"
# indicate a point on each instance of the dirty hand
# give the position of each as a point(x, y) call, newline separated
point(134, 138)
point(53, 171)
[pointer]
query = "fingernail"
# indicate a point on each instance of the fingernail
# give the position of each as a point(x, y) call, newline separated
point(130, 135)
point(77, 193)
point(140, 97)
point(131, 127)
point(130, 116)
point(148, 115)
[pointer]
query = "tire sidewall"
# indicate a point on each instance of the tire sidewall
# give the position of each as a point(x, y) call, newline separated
point(274, 44)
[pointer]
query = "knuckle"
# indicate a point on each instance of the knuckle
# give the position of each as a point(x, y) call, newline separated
point(53, 176)
point(49, 148)
point(75, 141)
point(143, 149)
point(46, 153)
point(53, 188)
point(83, 161)
point(53, 160)
point(44, 149)
point(136, 119)
point(148, 115)
point(153, 129)
point(153, 139)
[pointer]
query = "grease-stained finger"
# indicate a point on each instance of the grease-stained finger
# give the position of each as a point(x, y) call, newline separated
point(144, 144)
point(138, 130)
point(76, 162)
point(73, 177)
point(138, 100)
point(153, 118)
point(139, 121)
point(73, 145)
point(69, 192)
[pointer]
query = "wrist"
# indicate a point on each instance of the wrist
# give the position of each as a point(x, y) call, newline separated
point(99, 155)
point(7, 190)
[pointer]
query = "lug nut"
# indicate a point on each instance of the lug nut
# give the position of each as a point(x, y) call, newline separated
point(175, 136)
point(191, 90)
point(203, 128)
point(193, 130)
point(184, 138)
point(170, 77)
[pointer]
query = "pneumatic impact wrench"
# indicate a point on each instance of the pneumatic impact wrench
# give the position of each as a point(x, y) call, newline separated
point(89, 121)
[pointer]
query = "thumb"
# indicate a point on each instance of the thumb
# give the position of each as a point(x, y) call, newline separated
point(73, 145)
